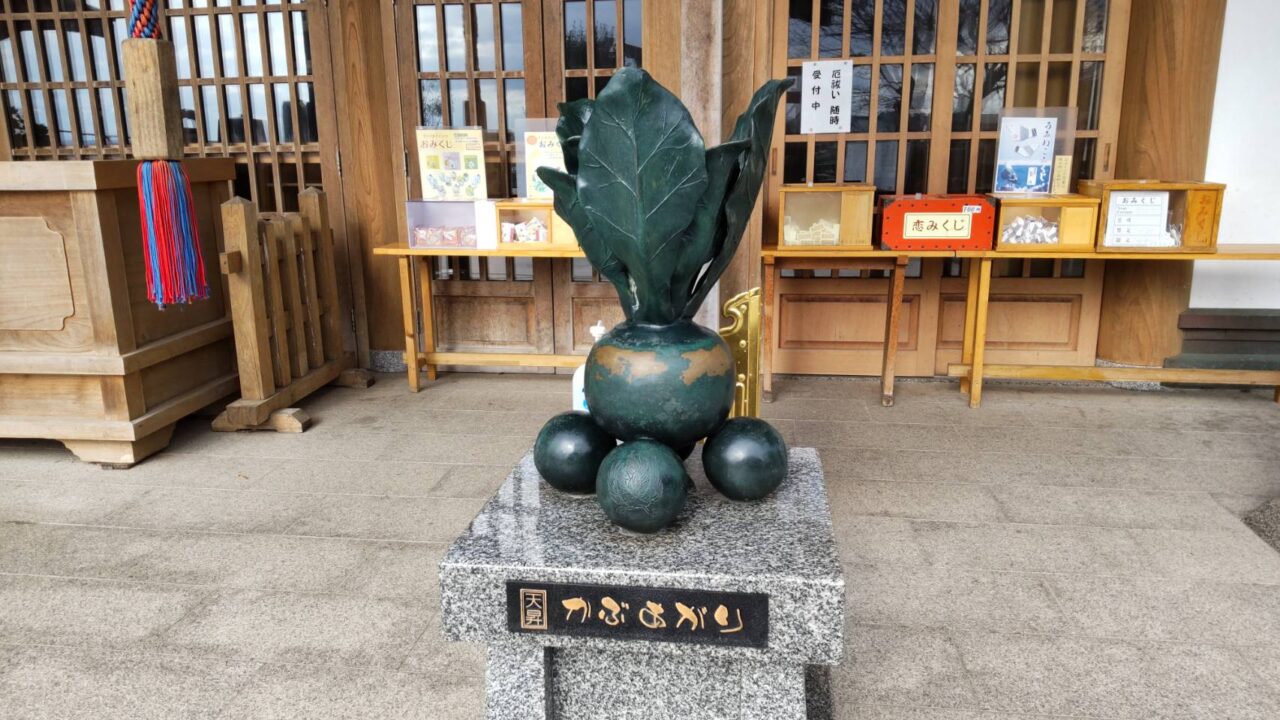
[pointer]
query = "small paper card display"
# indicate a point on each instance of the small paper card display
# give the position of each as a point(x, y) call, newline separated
point(1138, 218)
point(1024, 158)
point(541, 149)
point(826, 101)
point(452, 164)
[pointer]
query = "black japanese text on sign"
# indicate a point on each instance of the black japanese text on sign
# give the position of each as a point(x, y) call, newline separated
point(639, 613)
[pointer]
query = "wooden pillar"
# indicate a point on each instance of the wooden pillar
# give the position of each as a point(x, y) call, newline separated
point(1172, 71)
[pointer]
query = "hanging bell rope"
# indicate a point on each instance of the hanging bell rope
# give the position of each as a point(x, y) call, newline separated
point(170, 237)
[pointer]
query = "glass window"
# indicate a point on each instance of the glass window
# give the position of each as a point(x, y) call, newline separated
point(799, 28)
point(482, 36)
point(632, 34)
point(855, 161)
point(606, 33)
point(886, 177)
point(893, 27)
point(921, 111)
point(455, 39)
point(512, 36)
point(824, 162)
point(890, 107)
point(575, 35)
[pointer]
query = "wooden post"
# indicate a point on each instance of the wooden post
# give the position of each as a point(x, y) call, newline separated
point(893, 318)
point(155, 114)
point(242, 264)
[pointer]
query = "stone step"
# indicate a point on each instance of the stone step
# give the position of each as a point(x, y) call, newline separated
point(1229, 319)
point(1211, 361)
point(1235, 346)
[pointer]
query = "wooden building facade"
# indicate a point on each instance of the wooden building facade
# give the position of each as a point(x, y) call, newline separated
point(328, 93)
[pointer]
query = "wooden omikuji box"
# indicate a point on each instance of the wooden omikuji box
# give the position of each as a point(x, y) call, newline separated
point(826, 215)
point(1149, 215)
point(518, 210)
point(937, 222)
point(1024, 221)
point(85, 358)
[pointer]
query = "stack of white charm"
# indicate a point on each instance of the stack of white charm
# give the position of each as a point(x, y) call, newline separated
point(1029, 230)
point(529, 231)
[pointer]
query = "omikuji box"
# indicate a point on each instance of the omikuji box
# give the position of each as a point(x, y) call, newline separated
point(441, 223)
point(1046, 223)
point(830, 215)
point(1156, 216)
point(937, 222)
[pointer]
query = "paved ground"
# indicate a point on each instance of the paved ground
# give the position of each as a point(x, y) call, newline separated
point(1061, 553)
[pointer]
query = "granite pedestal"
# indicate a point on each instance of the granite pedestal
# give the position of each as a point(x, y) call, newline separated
point(733, 612)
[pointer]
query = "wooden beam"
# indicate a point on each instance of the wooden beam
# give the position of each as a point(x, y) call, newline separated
point(1122, 374)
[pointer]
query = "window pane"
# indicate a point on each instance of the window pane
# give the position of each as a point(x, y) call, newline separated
point(258, 112)
point(208, 107)
point(962, 99)
point(575, 88)
point(75, 54)
point(276, 46)
point(455, 40)
point(1057, 91)
point(791, 122)
point(993, 82)
point(1089, 97)
point(575, 35)
point(432, 108)
point(893, 27)
point(830, 28)
point(824, 162)
point(855, 161)
point(227, 46)
point(235, 114)
point(794, 159)
point(181, 52)
point(799, 28)
point(301, 44)
point(890, 110)
point(887, 166)
point(512, 37)
point(926, 26)
point(482, 36)
point(252, 45)
point(1027, 91)
point(921, 114)
point(489, 104)
point(967, 33)
point(284, 114)
point(458, 97)
point(13, 112)
point(986, 166)
point(1095, 26)
point(39, 135)
point(62, 117)
point(1071, 268)
point(580, 270)
point(958, 167)
point(916, 173)
point(53, 58)
point(606, 33)
point(1030, 26)
point(428, 46)
point(860, 99)
point(106, 103)
point(632, 35)
point(89, 135)
point(514, 106)
point(1085, 157)
point(862, 15)
point(204, 48)
point(601, 81)
point(186, 101)
point(999, 14)
point(522, 269)
point(307, 113)
point(1063, 30)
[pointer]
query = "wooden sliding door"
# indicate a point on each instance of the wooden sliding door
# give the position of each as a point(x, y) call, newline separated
point(930, 79)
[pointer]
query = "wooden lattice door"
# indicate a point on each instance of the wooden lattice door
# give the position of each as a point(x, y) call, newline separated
point(930, 78)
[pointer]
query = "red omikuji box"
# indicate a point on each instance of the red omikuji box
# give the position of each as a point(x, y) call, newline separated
point(937, 222)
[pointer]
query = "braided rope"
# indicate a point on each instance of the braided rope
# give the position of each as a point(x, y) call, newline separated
point(142, 20)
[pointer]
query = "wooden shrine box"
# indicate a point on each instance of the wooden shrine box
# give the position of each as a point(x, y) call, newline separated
point(1074, 219)
point(826, 215)
point(516, 211)
point(1193, 209)
point(85, 358)
point(936, 222)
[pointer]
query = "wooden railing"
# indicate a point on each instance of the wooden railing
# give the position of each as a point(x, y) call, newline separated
point(285, 310)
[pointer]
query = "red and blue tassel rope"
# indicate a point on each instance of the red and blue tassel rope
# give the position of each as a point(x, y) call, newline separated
point(170, 238)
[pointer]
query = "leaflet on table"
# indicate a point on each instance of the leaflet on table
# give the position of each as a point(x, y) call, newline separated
point(541, 149)
point(451, 163)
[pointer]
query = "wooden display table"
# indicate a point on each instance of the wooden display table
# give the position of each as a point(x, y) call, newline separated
point(972, 370)
point(85, 359)
point(420, 351)
point(778, 258)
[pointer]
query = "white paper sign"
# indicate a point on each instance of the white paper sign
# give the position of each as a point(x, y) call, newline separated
point(826, 101)
point(1138, 218)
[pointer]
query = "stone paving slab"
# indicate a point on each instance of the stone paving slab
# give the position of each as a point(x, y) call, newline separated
point(1041, 558)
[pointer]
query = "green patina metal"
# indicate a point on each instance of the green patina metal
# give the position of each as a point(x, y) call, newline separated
point(642, 486)
point(660, 216)
point(569, 450)
point(746, 459)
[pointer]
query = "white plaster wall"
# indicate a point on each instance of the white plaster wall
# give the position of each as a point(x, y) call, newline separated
point(1244, 153)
